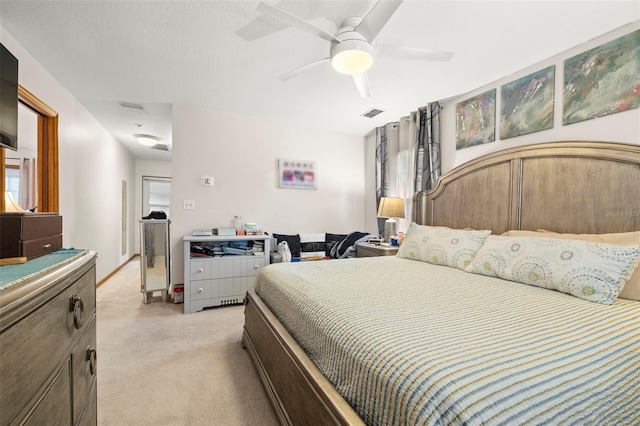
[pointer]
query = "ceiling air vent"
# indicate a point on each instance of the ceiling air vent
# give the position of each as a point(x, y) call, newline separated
point(372, 113)
point(131, 105)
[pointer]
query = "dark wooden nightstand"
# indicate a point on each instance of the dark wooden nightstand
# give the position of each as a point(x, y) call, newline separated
point(373, 250)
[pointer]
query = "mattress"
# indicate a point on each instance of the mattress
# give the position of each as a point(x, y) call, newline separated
point(407, 342)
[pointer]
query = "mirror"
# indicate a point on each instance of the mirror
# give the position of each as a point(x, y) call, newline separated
point(154, 257)
point(21, 166)
point(41, 121)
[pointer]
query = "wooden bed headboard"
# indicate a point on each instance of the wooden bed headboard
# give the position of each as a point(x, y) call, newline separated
point(574, 187)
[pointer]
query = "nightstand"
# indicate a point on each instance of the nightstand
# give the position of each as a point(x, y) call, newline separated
point(373, 250)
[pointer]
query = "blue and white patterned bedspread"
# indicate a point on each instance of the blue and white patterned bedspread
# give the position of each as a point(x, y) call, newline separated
point(407, 343)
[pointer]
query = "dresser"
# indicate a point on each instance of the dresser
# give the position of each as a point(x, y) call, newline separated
point(219, 270)
point(48, 342)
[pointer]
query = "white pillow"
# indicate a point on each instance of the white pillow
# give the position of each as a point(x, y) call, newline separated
point(588, 270)
point(441, 246)
point(312, 238)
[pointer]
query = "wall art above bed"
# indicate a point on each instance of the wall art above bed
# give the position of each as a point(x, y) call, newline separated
point(476, 120)
point(603, 80)
point(527, 104)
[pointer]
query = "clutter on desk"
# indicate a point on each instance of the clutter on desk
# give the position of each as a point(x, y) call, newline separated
point(227, 248)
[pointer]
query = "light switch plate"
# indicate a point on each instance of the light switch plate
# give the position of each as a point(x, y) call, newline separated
point(206, 180)
point(189, 205)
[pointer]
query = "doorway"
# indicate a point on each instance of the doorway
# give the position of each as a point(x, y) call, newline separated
point(156, 195)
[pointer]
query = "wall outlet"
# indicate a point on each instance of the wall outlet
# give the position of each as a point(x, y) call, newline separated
point(189, 205)
point(206, 181)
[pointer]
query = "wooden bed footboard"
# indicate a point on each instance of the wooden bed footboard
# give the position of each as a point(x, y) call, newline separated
point(299, 392)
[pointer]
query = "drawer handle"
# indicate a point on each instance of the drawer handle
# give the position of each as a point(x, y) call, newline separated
point(76, 306)
point(46, 245)
point(200, 270)
point(92, 357)
point(256, 267)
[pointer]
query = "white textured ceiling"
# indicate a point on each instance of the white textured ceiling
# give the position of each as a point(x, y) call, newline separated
point(226, 56)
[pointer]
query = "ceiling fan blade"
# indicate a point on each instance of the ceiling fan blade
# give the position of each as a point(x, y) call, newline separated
point(362, 83)
point(411, 53)
point(299, 70)
point(295, 21)
point(377, 18)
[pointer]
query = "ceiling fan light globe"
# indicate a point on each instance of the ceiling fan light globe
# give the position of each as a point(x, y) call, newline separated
point(147, 140)
point(352, 57)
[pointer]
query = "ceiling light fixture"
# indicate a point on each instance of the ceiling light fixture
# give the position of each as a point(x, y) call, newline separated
point(352, 56)
point(147, 140)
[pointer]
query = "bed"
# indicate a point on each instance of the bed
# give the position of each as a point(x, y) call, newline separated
point(395, 340)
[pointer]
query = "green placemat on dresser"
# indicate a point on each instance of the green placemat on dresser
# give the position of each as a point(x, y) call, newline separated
point(14, 274)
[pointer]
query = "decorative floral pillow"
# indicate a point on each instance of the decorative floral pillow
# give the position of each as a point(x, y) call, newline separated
point(441, 246)
point(591, 271)
point(631, 289)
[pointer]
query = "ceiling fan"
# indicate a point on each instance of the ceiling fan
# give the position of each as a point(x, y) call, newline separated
point(354, 46)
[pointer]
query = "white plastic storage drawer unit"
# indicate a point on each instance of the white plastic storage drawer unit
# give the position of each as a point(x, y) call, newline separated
point(219, 270)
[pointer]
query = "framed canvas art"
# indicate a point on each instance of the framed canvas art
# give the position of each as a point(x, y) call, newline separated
point(476, 120)
point(298, 174)
point(527, 104)
point(603, 80)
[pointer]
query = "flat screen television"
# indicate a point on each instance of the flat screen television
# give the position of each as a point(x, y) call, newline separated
point(8, 99)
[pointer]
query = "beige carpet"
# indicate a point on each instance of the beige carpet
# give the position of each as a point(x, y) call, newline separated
point(157, 366)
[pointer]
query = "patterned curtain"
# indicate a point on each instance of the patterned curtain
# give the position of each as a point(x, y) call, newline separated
point(427, 171)
point(382, 176)
point(386, 153)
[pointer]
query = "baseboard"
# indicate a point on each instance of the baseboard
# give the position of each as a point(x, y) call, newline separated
point(102, 281)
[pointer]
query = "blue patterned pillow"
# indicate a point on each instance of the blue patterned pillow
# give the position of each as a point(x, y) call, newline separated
point(441, 246)
point(591, 271)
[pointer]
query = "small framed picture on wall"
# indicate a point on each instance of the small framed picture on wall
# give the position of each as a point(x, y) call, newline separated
point(297, 174)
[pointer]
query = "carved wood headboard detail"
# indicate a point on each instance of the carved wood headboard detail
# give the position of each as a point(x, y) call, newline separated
point(576, 187)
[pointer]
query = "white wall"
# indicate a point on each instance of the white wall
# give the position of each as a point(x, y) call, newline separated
point(92, 167)
point(370, 217)
point(149, 169)
point(240, 153)
point(620, 127)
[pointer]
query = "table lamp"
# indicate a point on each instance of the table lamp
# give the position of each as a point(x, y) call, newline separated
point(10, 204)
point(390, 207)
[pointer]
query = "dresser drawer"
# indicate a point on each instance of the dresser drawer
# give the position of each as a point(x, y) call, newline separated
point(207, 269)
point(89, 415)
point(35, 248)
point(84, 367)
point(31, 349)
point(55, 404)
point(222, 288)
